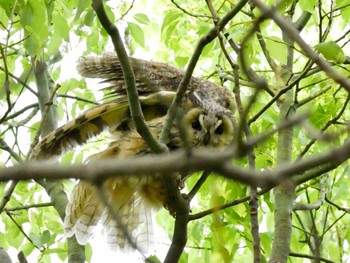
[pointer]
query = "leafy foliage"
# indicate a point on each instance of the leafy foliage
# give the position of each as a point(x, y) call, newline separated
point(58, 32)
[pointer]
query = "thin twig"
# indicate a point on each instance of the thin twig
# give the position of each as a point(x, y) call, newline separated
point(27, 207)
point(189, 13)
point(198, 185)
point(293, 33)
point(299, 255)
point(318, 203)
point(22, 231)
point(346, 210)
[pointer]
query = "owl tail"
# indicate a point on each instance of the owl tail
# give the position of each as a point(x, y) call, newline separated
point(81, 129)
point(133, 224)
point(83, 212)
point(133, 227)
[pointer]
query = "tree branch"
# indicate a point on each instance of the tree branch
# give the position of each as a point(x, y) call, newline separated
point(201, 159)
point(289, 29)
point(318, 203)
point(133, 99)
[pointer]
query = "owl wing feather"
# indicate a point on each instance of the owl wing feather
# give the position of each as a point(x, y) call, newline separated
point(96, 120)
point(84, 213)
point(150, 77)
point(81, 129)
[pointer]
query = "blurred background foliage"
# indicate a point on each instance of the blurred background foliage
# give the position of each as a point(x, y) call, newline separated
point(58, 32)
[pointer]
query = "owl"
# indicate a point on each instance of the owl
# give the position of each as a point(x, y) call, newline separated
point(205, 119)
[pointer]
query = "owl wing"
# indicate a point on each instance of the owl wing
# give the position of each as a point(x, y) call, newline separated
point(83, 212)
point(153, 77)
point(79, 130)
point(156, 84)
point(94, 121)
point(150, 77)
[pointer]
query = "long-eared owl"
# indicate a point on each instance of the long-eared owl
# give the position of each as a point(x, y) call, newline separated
point(205, 120)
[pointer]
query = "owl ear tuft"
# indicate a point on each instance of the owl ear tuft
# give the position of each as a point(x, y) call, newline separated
point(195, 96)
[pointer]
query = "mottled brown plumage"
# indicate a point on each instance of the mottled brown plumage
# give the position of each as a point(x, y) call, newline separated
point(206, 120)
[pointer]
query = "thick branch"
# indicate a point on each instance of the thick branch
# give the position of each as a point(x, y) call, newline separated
point(180, 208)
point(55, 189)
point(201, 159)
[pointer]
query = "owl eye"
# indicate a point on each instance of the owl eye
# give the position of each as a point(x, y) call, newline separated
point(196, 125)
point(219, 130)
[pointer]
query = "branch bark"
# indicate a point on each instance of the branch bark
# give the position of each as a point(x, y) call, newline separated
point(201, 159)
point(55, 189)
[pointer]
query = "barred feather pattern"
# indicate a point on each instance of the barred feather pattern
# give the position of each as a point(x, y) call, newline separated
point(149, 76)
point(80, 130)
point(152, 77)
point(91, 123)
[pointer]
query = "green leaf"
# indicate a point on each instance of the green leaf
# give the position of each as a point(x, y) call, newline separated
point(82, 5)
point(331, 51)
point(36, 239)
point(7, 6)
point(283, 5)
point(54, 45)
point(308, 5)
point(152, 259)
point(170, 23)
point(142, 18)
point(3, 17)
point(344, 8)
point(88, 252)
point(40, 240)
point(27, 248)
point(181, 61)
point(137, 33)
point(61, 27)
point(89, 18)
point(67, 158)
point(277, 49)
point(34, 22)
point(45, 237)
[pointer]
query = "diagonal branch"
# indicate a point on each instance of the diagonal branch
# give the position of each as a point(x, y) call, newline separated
point(133, 99)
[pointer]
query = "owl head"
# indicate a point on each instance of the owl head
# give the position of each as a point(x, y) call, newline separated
point(205, 127)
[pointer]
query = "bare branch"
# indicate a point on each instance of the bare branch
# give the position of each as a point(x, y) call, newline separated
point(318, 203)
point(299, 255)
point(201, 159)
point(189, 13)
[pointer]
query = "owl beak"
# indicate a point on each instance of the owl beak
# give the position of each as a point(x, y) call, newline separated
point(206, 139)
